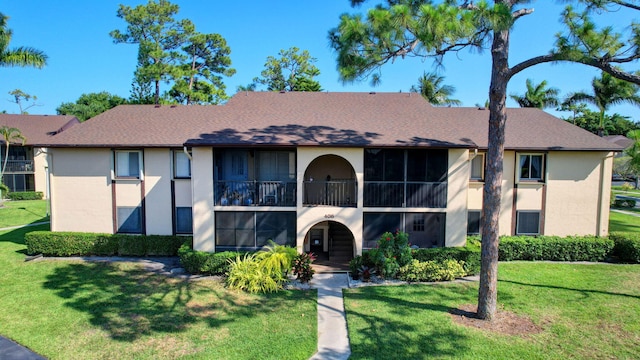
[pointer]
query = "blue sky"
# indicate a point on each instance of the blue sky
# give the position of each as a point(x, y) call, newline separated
point(83, 58)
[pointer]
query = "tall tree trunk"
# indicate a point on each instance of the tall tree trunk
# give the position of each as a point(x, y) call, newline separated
point(488, 292)
point(157, 95)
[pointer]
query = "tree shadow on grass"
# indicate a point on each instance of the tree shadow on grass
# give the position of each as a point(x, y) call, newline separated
point(130, 302)
point(16, 236)
point(404, 334)
point(584, 292)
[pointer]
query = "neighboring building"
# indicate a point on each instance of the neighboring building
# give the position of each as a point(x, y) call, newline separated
point(26, 163)
point(327, 172)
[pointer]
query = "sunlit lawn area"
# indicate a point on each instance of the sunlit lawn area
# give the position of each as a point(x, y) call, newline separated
point(75, 310)
point(585, 311)
point(623, 222)
point(14, 213)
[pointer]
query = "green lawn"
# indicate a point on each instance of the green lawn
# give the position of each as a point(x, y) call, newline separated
point(14, 213)
point(585, 311)
point(623, 222)
point(76, 310)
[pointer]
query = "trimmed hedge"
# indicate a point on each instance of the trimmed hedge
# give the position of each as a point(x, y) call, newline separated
point(205, 263)
point(84, 244)
point(469, 255)
point(555, 248)
point(25, 195)
point(627, 246)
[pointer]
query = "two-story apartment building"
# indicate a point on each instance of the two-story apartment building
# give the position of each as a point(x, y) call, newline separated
point(327, 172)
point(26, 164)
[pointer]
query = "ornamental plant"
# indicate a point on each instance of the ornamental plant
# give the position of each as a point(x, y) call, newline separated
point(392, 252)
point(302, 267)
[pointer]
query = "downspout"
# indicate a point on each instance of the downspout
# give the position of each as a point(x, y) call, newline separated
point(186, 152)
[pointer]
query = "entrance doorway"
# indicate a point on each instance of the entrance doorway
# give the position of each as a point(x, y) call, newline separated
point(333, 245)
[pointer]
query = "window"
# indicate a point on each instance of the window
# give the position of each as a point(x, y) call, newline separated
point(425, 230)
point(376, 224)
point(128, 164)
point(184, 222)
point(528, 223)
point(280, 227)
point(531, 167)
point(247, 229)
point(129, 220)
point(473, 222)
point(181, 165)
point(477, 168)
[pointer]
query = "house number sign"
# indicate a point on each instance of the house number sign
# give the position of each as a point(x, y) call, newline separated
point(329, 216)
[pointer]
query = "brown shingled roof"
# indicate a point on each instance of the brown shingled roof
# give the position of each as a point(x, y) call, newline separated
point(325, 119)
point(38, 128)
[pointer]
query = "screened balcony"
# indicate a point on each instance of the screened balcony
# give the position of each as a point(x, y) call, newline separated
point(405, 194)
point(255, 193)
point(405, 178)
point(254, 177)
point(18, 166)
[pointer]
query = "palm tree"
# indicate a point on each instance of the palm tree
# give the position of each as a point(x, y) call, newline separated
point(607, 91)
point(22, 56)
point(431, 88)
point(8, 135)
point(538, 96)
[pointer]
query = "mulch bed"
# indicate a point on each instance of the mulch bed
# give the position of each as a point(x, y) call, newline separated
point(504, 322)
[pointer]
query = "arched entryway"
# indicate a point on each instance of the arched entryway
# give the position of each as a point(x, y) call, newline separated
point(333, 245)
point(330, 180)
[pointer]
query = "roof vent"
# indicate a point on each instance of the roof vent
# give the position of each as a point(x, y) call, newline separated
point(481, 108)
point(372, 93)
point(174, 106)
point(282, 91)
point(156, 106)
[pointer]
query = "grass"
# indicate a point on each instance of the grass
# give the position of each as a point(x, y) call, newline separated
point(623, 222)
point(14, 213)
point(621, 190)
point(586, 311)
point(77, 310)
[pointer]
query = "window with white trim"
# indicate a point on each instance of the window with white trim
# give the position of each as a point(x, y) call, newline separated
point(181, 165)
point(127, 164)
point(528, 222)
point(531, 167)
point(477, 168)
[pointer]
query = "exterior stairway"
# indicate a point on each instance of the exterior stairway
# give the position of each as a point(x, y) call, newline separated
point(341, 244)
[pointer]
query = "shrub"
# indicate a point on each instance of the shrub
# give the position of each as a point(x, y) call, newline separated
point(205, 263)
point(354, 266)
point(84, 244)
point(4, 189)
point(276, 259)
point(624, 203)
point(392, 251)
point(555, 248)
point(25, 195)
point(302, 267)
point(445, 270)
point(469, 256)
point(627, 246)
point(246, 273)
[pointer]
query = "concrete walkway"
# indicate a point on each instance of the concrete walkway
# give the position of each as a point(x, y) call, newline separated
point(21, 226)
point(12, 351)
point(333, 339)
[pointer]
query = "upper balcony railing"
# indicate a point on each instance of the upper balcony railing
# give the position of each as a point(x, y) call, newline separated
point(18, 166)
point(342, 193)
point(255, 193)
point(405, 194)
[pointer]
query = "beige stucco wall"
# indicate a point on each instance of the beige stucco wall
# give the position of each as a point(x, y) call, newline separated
point(577, 199)
point(203, 214)
point(157, 186)
point(40, 164)
point(458, 186)
point(576, 196)
point(310, 216)
point(81, 190)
